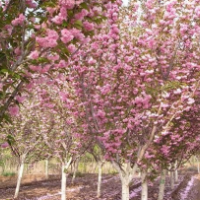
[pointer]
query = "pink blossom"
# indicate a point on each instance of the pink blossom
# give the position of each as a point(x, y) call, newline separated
point(34, 54)
point(50, 40)
point(13, 110)
point(57, 19)
point(50, 10)
point(20, 99)
point(17, 51)
point(31, 3)
point(19, 20)
point(4, 145)
point(88, 26)
point(190, 101)
point(9, 28)
point(71, 48)
point(67, 36)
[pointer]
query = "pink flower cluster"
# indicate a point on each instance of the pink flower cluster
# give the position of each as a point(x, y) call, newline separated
point(58, 19)
point(66, 36)
point(19, 20)
point(31, 3)
point(50, 40)
point(88, 26)
point(14, 110)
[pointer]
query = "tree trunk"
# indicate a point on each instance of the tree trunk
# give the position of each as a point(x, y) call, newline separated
point(176, 175)
point(63, 183)
point(75, 170)
point(172, 179)
point(65, 166)
point(99, 179)
point(47, 168)
point(125, 189)
point(144, 195)
point(198, 165)
point(20, 174)
point(162, 185)
point(176, 172)
point(126, 173)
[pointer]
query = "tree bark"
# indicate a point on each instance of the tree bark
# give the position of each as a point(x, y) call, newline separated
point(126, 173)
point(176, 175)
point(198, 165)
point(172, 179)
point(75, 170)
point(20, 174)
point(162, 185)
point(176, 172)
point(99, 179)
point(63, 183)
point(125, 189)
point(65, 166)
point(144, 195)
point(47, 168)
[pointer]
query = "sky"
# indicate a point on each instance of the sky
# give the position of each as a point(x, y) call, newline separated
point(125, 2)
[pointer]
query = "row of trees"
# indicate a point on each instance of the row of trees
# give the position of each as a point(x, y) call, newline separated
point(81, 74)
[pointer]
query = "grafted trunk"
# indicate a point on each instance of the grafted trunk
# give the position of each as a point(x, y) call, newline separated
point(99, 178)
point(162, 185)
point(144, 195)
point(20, 174)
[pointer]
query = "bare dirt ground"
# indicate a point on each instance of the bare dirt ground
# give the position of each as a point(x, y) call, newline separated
point(84, 188)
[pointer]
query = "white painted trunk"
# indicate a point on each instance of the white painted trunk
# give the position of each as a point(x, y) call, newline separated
point(172, 180)
point(162, 185)
point(99, 179)
point(65, 166)
point(176, 172)
point(176, 175)
point(47, 168)
point(125, 189)
point(20, 174)
point(126, 173)
point(144, 195)
point(63, 183)
point(198, 165)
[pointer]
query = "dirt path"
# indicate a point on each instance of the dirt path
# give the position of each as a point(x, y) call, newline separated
point(192, 191)
point(85, 189)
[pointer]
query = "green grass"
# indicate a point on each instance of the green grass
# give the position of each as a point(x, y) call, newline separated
point(7, 174)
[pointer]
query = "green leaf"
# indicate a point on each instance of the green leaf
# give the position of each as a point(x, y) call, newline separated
point(78, 24)
point(7, 118)
point(84, 5)
point(10, 139)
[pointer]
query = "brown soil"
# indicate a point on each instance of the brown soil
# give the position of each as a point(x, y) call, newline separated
point(85, 189)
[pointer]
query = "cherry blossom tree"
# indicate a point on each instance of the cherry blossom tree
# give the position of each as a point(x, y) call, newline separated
point(38, 37)
point(61, 134)
point(23, 137)
point(134, 86)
